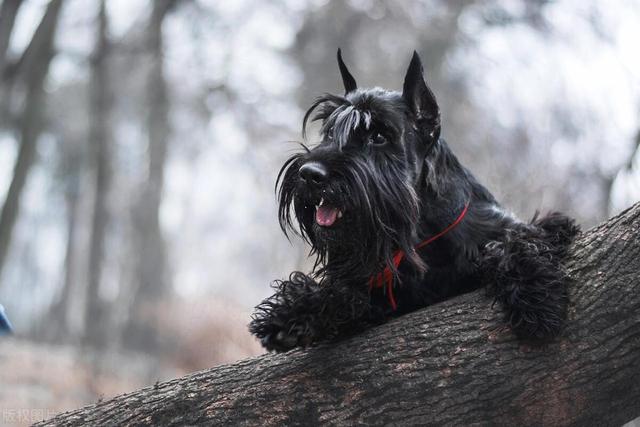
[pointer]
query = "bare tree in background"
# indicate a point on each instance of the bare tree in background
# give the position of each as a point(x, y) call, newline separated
point(57, 325)
point(628, 172)
point(99, 138)
point(33, 66)
point(151, 273)
point(8, 13)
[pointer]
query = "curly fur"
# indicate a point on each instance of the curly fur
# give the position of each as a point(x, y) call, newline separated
point(292, 313)
point(397, 183)
point(525, 274)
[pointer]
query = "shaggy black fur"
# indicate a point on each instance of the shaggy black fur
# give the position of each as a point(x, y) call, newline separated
point(381, 181)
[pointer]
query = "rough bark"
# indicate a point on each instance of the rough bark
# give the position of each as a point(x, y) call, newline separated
point(41, 47)
point(95, 312)
point(449, 364)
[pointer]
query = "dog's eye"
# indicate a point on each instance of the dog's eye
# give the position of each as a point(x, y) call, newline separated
point(377, 139)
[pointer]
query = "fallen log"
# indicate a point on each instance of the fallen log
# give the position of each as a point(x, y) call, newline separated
point(449, 364)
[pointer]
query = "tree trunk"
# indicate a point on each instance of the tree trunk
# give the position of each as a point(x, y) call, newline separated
point(151, 272)
point(94, 317)
point(8, 13)
point(56, 328)
point(42, 48)
point(453, 363)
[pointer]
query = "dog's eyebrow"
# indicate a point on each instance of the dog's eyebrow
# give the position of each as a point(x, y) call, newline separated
point(341, 117)
point(347, 120)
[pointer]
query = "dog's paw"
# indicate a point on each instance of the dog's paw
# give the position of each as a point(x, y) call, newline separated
point(285, 340)
point(278, 332)
point(289, 318)
point(533, 325)
point(537, 310)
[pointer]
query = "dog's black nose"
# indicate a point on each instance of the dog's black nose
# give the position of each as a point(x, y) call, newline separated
point(313, 173)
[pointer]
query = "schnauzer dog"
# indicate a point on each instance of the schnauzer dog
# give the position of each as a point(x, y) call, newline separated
point(396, 223)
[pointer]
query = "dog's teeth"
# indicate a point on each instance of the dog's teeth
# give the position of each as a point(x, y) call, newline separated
point(339, 214)
point(321, 202)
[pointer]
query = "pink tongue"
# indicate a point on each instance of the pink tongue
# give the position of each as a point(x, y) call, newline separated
point(326, 216)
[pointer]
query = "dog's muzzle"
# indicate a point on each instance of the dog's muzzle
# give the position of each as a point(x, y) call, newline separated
point(314, 176)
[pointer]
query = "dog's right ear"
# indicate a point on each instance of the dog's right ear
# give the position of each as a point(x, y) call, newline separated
point(347, 79)
point(420, 98)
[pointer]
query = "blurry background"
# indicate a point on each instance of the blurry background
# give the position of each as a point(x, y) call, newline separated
point(140, 140)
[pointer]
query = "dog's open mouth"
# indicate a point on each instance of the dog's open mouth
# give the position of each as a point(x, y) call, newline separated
point(327, 215)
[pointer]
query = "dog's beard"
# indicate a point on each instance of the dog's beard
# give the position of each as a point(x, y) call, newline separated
point(377, 211)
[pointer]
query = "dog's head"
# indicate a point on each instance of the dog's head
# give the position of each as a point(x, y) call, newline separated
point(354, 195)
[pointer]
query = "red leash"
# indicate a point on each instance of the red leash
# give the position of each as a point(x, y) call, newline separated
point(386, 277)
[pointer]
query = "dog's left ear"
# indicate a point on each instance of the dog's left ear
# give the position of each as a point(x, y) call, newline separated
point(420, 98)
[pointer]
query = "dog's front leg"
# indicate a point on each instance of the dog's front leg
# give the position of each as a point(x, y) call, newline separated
point(303, 312)
point(525, 272)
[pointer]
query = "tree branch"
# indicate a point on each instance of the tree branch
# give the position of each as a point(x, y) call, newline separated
point(449, 364)
point(39, 60)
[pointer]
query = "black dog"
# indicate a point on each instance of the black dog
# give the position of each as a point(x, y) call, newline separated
point(396, 223)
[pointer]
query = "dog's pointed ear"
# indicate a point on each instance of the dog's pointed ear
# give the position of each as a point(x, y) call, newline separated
point(420, 98)
point(347, 79)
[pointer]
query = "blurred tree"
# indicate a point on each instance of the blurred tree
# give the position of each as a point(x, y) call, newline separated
point(73, 185)
point(99, 138)
point(151, 273)
point(56, 325)
point(624, 187)
point(8, 12)
point(32, 67)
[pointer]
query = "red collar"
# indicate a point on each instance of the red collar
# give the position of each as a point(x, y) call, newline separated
point(386, 276)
